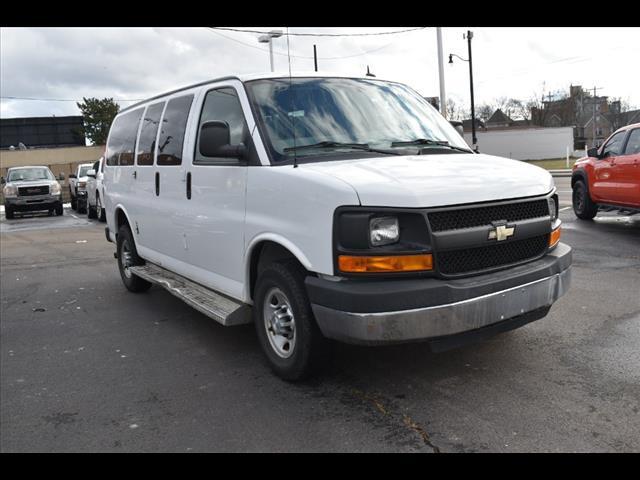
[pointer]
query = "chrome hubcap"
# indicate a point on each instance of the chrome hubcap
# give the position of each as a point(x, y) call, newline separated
point(126, 259)
point(279, 323)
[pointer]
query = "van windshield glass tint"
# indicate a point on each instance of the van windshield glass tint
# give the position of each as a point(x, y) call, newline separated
point(379, 114)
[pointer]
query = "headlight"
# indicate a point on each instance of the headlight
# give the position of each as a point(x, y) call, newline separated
point(383, 231)
point(553, 209)
point(10, 191)
point(55, 189)
point(82, 184)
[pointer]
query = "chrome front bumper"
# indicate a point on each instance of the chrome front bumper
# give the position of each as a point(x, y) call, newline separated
point(442, 320)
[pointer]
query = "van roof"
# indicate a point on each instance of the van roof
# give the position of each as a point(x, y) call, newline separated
point(249, 77)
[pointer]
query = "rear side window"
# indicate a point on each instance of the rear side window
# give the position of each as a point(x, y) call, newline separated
point(222, 105)
point(148, 132)
point(122, 138)
point(174, 123)
point(633, 144)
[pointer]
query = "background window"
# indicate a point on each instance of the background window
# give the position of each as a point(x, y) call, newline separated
point(174, 124)
point(223, 105)
point(148, 132)
point(122, 138)
point(633, 145)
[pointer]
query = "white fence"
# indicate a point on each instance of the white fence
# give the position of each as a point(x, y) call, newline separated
point(525, 143)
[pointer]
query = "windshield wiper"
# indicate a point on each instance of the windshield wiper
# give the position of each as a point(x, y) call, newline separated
point(428, 141)
point(330, 144)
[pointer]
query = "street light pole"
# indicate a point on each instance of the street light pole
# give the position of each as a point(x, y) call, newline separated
point(268, 38)
point(443, 100)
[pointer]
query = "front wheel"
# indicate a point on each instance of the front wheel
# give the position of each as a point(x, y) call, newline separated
point(128, 257)
point(583, 206)
point(287, 331)
point(59, 209)
point(8, 212)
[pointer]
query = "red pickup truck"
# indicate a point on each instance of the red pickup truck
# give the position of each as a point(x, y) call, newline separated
point(609, 177)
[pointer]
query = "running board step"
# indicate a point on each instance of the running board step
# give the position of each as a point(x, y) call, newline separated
point(214, 305)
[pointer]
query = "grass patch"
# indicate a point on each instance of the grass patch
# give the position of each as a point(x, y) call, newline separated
point(553, 163)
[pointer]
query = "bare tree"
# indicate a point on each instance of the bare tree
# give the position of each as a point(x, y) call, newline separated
point(484, 112)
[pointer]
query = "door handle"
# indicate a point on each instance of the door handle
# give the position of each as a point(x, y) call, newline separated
point(135, 174)
point(157, 183)
point(189, 185)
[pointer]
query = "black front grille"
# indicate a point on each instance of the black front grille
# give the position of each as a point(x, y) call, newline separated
point(29, 191)
point(479, 216)
point(468, 260)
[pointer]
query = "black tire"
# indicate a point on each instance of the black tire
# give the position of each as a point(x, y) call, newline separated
point(59, 209)
point(82, 206)
point(308, 343)
point(91, 211)
point(50, 212)
point(125, 242)
point(583, 206)
point(100, 211)
point(74, 201)
point(8, 213)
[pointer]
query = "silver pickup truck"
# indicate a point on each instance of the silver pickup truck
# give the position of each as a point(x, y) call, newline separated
point(78, 187)
point(29, 189)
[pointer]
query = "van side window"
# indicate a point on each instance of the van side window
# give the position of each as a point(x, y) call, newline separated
point(148, 133)
point(223, 105)
point(174, 123)
point(122, 139)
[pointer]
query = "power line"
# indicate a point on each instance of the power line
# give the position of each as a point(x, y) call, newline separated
point(324, 34)
point(66, 99)
point(298, 56)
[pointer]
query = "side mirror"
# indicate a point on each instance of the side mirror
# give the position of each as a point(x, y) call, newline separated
point(593, 152)
point(61, 176)
point(91, 173)
point(214, 141)
point(2, 181)
point(73, 175)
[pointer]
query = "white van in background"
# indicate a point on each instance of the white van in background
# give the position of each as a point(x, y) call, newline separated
point(323, 207)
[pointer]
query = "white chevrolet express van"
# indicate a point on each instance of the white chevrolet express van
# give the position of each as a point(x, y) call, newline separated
point(328, 207)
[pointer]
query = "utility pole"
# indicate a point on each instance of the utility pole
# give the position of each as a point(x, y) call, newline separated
point(315, 58)
point(594, 115)
point(443, 99)
point(474, 140)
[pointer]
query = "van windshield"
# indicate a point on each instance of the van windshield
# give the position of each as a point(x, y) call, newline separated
point(29, 175)
point(338, 116)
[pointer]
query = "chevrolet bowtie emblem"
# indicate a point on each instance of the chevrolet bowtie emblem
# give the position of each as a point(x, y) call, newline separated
point(501, 232)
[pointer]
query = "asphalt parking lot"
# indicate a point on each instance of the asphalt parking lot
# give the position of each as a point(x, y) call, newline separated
point(88, 366)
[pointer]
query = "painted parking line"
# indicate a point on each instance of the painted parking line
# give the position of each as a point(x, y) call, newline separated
point(565, 208)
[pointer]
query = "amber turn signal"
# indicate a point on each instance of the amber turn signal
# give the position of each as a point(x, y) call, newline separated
point(392, 263)
point(554, 238)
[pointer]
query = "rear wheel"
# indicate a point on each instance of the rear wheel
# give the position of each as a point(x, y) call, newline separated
point(583, 206)
point(128, 257)
point(100, 213)
point(287, 331)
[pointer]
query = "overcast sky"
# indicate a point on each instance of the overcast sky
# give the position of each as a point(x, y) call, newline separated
point(135, 63)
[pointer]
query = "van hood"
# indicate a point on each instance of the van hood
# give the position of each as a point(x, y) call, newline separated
point(419, 181)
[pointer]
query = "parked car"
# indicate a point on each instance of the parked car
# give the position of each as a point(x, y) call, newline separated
point(609, 176)
point(78, 187)
point(328, 207)
point(95, 193)
point(29, 189)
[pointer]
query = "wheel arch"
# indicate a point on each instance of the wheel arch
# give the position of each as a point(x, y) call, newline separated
point(267, 249)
